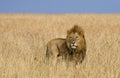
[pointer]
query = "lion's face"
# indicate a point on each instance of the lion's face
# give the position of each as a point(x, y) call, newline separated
point(74, 40)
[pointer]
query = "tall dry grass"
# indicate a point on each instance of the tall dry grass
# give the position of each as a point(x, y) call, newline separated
point(23, 40)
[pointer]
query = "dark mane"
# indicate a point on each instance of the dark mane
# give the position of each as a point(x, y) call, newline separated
point(76, 29)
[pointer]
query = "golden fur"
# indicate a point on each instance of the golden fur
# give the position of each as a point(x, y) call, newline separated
point(73, 48)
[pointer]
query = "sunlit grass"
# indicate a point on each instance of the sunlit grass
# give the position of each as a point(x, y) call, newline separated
point(23, 40)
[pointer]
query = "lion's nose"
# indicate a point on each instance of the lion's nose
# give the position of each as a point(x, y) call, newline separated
point(73, 42)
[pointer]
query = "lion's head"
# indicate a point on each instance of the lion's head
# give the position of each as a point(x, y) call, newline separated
point(75, 38)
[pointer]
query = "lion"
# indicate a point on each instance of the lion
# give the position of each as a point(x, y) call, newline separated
point(72, 48)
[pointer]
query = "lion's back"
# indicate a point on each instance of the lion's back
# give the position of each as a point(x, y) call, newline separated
point(54, 46)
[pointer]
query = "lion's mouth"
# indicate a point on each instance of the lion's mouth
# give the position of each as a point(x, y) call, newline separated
point(73, 46)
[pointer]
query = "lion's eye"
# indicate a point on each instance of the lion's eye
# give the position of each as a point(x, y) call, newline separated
point(77, 37)
point(70, 37)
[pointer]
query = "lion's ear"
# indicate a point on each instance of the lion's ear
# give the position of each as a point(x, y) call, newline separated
point(82, 32)
point(68, 31)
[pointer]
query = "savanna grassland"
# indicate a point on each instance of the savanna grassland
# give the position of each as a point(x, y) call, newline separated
point(23, 40)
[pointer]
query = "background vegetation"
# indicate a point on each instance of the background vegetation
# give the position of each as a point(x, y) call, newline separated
point(23, 40)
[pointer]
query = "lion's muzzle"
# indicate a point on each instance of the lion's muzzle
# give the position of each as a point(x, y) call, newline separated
point(73, 45)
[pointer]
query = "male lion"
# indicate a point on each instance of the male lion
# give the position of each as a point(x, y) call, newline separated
point(73, 48)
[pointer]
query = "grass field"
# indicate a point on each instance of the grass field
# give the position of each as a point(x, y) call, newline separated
point(23, 40)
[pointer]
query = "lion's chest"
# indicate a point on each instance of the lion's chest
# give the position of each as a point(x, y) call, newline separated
point(67, 55)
